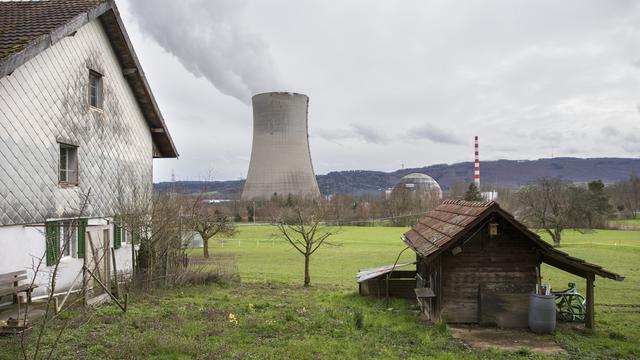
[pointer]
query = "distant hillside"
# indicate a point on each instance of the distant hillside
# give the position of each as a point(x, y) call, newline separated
point(511, 173)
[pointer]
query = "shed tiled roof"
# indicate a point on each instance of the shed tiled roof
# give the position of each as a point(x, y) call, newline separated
point(454, 219)
point(29, 27)
point(443, 224)
point(24, 21)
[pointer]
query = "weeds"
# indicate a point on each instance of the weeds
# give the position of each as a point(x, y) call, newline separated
point(441, 327)
point(358, 319)
point(617, 336)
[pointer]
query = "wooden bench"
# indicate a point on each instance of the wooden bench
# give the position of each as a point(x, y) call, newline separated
point(10, 285)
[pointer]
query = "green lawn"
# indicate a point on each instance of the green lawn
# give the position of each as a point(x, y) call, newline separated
point(263, 256)
point(631, 222)
point(277, 318)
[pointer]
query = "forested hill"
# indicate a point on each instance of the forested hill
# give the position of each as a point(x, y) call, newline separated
point(512, 173)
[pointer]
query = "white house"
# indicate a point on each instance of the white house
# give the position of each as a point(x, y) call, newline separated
point(77, 117)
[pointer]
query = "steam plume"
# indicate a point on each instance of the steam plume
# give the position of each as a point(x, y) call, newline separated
point(209, 40)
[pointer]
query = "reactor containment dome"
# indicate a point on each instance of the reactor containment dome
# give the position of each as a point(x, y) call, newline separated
point(420, 185)
point(280, 156)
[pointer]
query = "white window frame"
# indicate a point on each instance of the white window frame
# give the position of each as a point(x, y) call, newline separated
point(70, 165)
point(98, 87)
point(72, 249)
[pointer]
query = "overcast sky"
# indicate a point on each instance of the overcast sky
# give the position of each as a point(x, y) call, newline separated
point(393, 82)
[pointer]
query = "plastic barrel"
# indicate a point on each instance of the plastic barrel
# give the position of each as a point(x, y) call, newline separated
point(542, 313)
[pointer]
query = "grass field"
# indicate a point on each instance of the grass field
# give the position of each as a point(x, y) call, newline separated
point(277, 318)
point(631, 222)
point(263, 257)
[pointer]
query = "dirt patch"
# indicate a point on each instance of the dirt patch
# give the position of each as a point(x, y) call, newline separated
point(505, 339)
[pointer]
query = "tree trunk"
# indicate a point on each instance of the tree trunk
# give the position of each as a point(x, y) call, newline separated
point(307, 278)
point(205, 246)
point(556, 237)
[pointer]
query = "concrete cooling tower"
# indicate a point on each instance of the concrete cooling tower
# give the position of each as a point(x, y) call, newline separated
point(280, 157)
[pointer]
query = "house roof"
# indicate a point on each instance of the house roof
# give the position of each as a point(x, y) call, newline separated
point(29, 27)
point(367, 274)
point(456, 219)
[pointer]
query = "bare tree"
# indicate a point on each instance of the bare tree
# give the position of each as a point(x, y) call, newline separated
point(626, 196)
point(208, 221)
point(153, 223)
point(555, 205)
point(508, 198)
point(545, 205)
point(456, 191)
point(633, 189)
point(342, 208)
point(302, 226)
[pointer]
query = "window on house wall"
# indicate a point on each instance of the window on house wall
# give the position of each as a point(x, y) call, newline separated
point(68, 239)
point(95, 89)
point(68, 169)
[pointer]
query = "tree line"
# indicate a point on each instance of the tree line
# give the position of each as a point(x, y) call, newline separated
point(550, 205)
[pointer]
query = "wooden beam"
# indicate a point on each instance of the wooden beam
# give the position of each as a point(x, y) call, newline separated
point(589, 315)
point(115, 273)
point(126, 299)
point(438, 312)
point(568, 267)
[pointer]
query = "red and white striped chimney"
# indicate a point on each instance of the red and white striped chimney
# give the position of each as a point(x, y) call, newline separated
point(476, 168)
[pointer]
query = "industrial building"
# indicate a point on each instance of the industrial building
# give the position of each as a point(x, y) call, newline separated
point(280, 156)
point(419, 185)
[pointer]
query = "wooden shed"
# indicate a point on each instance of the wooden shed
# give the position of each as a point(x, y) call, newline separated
point(477, 264)
point(388, 281)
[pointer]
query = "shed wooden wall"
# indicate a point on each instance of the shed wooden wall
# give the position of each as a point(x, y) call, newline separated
point(401, 285)
point(507, 259)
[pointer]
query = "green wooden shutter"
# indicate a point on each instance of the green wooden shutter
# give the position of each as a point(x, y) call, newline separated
point(52, 242)
point(82, 229)
point(117, 236)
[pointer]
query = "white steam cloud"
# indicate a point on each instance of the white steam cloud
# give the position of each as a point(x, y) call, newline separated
point(209, 40)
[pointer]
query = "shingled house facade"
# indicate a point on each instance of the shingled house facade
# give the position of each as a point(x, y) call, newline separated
point(77, 118)
point(477, 264)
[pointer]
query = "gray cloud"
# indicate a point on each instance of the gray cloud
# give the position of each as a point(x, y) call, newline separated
point(209, 39)
point(631, 142)
point(610, 131)
point(365, 133)
point(333, 134)
point(436, 134)
point(370, 134)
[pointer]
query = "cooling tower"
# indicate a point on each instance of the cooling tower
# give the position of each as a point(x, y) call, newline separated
point(280, 157)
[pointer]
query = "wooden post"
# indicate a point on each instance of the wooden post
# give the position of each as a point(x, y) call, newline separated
point(438, 289)
point(106, 290)
point(589, 315)
point(115, 273)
